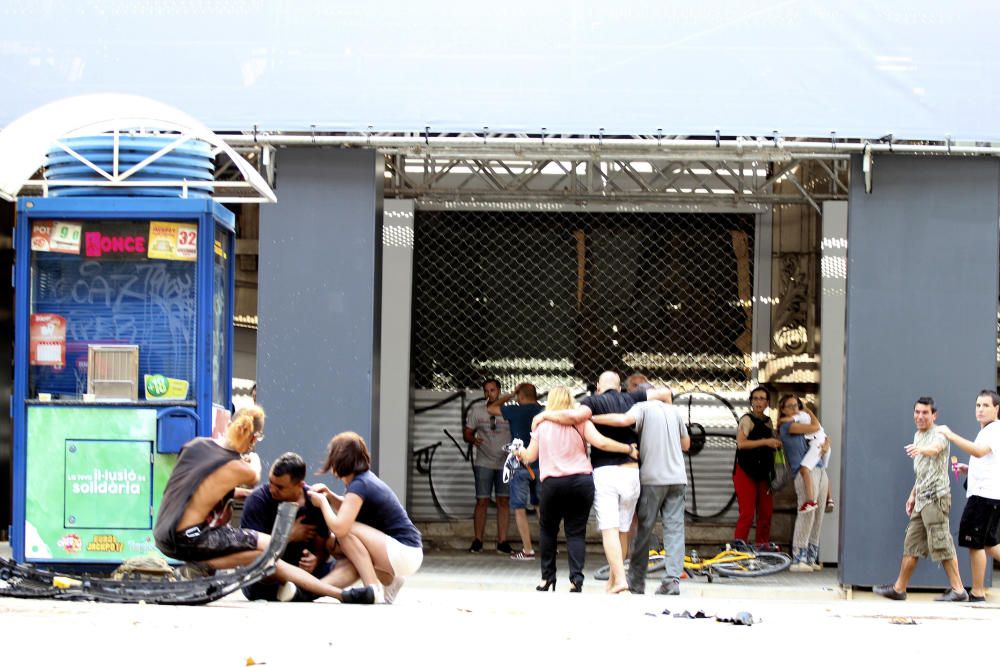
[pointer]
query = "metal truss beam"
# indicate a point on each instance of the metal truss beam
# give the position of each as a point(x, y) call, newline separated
point(648, 170)
point(671, 181)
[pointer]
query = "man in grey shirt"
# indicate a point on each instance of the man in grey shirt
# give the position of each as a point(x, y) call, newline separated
point(663, 439)
point(489, 434)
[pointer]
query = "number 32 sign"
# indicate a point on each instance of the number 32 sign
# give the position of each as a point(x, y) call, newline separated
point(173, 240)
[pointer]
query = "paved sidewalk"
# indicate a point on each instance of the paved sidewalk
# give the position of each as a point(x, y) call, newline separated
point(491, 571)
point(497, 572)
point(482, 608)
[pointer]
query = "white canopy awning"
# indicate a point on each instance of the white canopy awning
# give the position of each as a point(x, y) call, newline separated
point(25, 141)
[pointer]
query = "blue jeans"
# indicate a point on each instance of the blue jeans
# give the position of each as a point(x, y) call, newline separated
point(488, 479)
point(520, 487)
point(667, 502)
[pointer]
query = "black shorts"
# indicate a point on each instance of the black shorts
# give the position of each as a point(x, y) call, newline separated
point(980, 523)
point(201, 543)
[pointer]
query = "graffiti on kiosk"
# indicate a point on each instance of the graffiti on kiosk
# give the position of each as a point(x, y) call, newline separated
point(131, 303)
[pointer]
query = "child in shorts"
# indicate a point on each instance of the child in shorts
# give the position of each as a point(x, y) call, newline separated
point(813, 455)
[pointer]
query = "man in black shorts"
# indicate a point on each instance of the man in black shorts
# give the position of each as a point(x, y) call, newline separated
point(980, 525)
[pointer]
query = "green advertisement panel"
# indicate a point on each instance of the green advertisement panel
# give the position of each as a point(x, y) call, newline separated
point(94, 483)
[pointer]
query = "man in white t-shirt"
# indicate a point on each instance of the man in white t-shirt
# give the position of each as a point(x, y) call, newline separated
point(663, 439)
point(979, 530)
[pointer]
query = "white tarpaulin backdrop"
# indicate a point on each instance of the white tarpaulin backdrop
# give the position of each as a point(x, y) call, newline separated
point(922, 69)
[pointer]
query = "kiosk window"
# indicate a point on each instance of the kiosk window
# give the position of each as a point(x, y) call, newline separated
point(220, 320)
point(112, 283)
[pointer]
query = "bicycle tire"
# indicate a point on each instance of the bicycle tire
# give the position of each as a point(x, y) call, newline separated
point(709, 462)
point(656, 563)
point(761, 565)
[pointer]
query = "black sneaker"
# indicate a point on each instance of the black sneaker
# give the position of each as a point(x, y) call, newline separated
point(477, 546)
point(740, 545)
point(359, 595)
point(888, 591)
point(504, 548)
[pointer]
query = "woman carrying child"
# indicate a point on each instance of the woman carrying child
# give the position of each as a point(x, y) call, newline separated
point(808, 487)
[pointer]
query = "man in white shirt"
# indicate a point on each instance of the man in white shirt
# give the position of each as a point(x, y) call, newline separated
point(979, 530)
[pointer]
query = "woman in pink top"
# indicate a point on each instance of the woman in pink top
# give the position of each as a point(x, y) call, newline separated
point(567, 489)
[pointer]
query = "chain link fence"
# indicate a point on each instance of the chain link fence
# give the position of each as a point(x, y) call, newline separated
point(557, 298)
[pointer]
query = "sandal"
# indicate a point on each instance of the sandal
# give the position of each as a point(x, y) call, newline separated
point(829, 505)
point(523, 555)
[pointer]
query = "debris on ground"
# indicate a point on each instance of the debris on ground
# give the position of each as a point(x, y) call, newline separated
point(902, 620)
point(741, 618)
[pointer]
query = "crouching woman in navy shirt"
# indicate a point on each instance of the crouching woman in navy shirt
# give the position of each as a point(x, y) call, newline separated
point(371, 525)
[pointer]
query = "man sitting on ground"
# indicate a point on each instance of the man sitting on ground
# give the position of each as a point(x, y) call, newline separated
point(310, 544)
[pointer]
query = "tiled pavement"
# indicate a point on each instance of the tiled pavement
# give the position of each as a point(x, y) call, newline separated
point(490, 570)
point(457, 599)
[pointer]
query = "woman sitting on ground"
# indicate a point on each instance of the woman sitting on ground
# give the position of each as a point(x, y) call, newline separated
point(371, 525)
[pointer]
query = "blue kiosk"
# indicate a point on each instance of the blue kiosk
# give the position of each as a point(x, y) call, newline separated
point(123, 341)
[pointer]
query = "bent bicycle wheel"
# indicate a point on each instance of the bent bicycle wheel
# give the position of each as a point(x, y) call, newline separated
point(712, 422)
point(603, 573)
point(760, 565)
point(656, 563)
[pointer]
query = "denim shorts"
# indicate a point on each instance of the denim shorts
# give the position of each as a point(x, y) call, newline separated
point(520, 487)
point(488, 480)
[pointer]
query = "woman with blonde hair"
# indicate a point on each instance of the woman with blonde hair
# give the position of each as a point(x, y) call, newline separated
point(371, 525)
point(567, 488)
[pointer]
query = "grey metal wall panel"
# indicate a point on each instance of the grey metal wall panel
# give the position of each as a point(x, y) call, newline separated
point(921, 320)
point(397, 290)
point(833, 306)
point(320, 301)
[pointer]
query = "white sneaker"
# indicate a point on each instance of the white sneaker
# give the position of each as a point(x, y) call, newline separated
point(800, 566)
point(379, 593)
point(286, 592)
point(392, 590)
